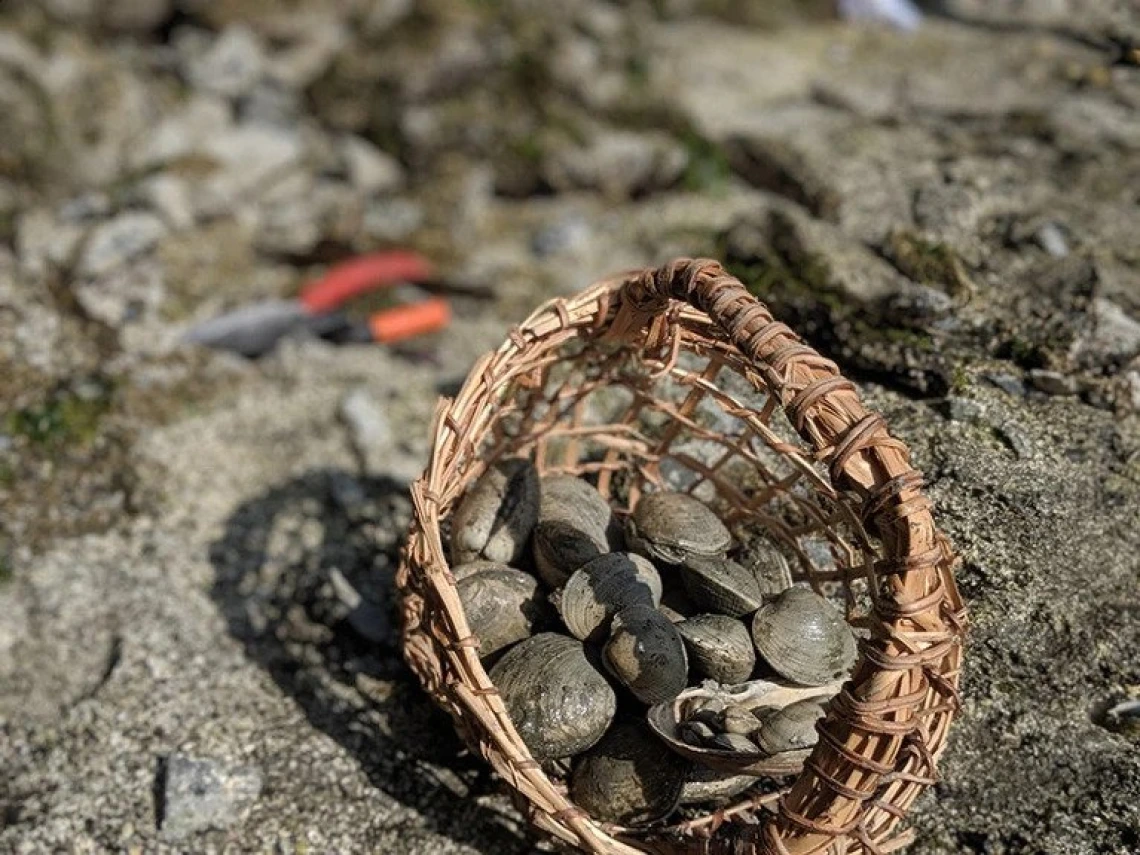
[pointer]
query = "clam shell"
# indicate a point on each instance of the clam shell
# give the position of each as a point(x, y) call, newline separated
point(559, 703)
point(605, 586)
point(567, 497)
point(502, 607)
point(462, 571)
point(709, 785)
point(673, 526)
point(804, 638)
point(645, 653)
point(574, 527)
point(666, 718)
point(628, 778)
point(770, 569)
point(561, 547)
point(790, 729)
point(719, 584)
point(495, 518)
point(719, 647)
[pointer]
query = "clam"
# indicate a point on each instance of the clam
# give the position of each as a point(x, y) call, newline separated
point(628, 777)
point(719, 584)
point(470, 568)
point(719, 647)
point(559, 703)
point(502, 606)
point(738, 719)
point(602, 588)
point(770, 569)
point(708, 785)
point(645, 653)
point(495, 518)
point(737, 743)
point(804, 638)
point(790, 729)
point(575, 525)
point(672, 722)
point(674, 526)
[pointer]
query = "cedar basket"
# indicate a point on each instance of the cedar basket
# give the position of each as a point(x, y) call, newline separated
point(678, 378)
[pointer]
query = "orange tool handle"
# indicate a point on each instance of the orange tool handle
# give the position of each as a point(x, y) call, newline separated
point(365, 273)
point(404, 322)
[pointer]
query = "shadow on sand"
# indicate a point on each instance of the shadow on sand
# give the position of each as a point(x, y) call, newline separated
point(286, 568)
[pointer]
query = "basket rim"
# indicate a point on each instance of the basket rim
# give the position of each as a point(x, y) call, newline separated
point(887, 728)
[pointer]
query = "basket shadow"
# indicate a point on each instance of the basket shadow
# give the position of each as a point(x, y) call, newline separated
point(304, 578)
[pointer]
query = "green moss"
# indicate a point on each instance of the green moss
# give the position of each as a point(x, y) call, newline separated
point(67, 417)
point(959, 380)
point(929, 262)
point(707, 169)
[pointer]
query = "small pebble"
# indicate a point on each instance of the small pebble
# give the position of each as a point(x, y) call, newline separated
point(1050, 239)
point(198, 794)
point(1052, 382)
point(1008, 383)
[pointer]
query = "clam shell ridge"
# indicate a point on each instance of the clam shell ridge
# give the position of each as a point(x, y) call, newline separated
point(719, 584)
point(502, 606)
point(645, 653)
point(719, 647)
point(573, 527)
point(559, 703)
point(673, 526)
point(602, 588)
point(790, 729)
point(495, 518)
point(629, 777)
point(804, 638)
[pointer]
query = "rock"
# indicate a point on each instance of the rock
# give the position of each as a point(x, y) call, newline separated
point(201, 794)
point(119, 240)
point(367, 423)
point(369, 620)
point(169, 195)
point(566, 234)
point(182, 133)
point(1008, 383)
point(1052, 382)
point(619, 164)
point(382, 15)
point(43, 241)
point(1114, 336)
point(1050, 238)
point(316, 44)
point(961, 409)
point(251, 158)
point(780, 167)
point(369, 169)
point(391, 220)
point(233, 64)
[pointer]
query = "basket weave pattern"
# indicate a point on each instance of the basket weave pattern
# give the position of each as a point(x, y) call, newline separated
point(678, 378)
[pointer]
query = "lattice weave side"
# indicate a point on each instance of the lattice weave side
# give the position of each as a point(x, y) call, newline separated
point(884, 732)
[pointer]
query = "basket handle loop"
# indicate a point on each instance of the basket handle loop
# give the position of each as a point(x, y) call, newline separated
point(838, 784)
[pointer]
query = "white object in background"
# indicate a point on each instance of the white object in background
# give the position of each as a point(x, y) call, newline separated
point(898, 13)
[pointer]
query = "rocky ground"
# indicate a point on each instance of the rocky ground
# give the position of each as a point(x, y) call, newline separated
point(196, 642)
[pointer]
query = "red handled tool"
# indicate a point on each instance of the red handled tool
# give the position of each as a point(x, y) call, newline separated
point(254, 329)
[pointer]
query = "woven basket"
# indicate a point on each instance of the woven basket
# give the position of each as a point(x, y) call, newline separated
point(678, 378)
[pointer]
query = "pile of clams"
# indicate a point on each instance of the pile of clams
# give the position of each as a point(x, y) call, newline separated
point(647, 661)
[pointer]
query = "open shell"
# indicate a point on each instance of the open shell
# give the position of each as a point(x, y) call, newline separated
point(665, 718)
